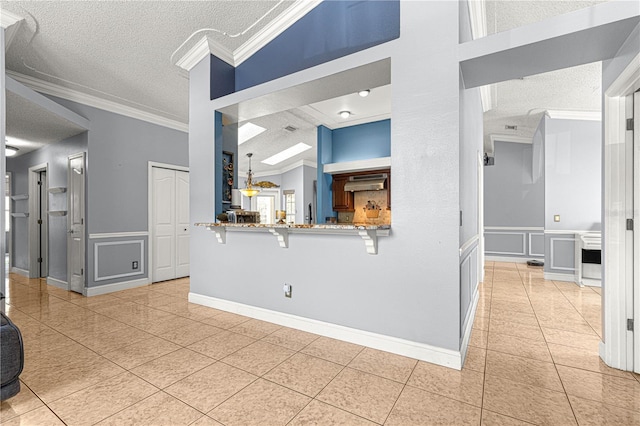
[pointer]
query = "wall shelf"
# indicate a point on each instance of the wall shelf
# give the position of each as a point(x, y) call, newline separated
point(57, 212)
point(20, 197)
point(19, 214)
point(57, 190)
point(368, 233)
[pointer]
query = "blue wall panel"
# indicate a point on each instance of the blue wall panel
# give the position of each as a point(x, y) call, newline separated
point(332, 30)
point(362, 142)
point(223, 78)
point(324, 200)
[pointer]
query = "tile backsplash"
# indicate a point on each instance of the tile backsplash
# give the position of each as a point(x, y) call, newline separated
point(361, 198)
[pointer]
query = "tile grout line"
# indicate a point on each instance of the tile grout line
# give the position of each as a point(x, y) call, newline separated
point(404, 386)
point(555, 366)
point(486, 349)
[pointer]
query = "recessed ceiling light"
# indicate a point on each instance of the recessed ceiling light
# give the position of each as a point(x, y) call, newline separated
point(10, 151)
point(345, 114)
point(364, 93)
point(286, 154)
point(248, 131)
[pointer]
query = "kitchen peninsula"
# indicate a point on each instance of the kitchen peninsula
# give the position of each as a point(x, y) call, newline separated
point(369, 233)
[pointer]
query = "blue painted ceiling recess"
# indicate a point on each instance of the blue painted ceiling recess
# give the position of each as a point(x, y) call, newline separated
point(332, 30)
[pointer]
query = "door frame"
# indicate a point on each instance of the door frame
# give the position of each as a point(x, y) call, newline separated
point(9, 240)
point(636, 232)
point(34, 208)
point(277, 202)
point(150, 166)
point(70, 218)
point(616, 348)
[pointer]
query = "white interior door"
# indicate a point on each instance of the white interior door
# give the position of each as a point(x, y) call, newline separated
point(182, 224)
point(170, 224)
point(164, 224)
point(75, 223)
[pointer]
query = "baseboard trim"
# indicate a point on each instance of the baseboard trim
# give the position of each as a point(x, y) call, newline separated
point(421, 351)
point(19, 271)
point(58, 283)
point(553, 276)
point(522, 259)
point(112, 288)
point(468, 328)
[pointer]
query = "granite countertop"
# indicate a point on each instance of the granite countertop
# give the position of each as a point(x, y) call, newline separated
point(331, 226)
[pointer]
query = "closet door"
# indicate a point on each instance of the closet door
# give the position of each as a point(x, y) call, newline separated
point(182, 224)
point(170, 223)
point(164, 224)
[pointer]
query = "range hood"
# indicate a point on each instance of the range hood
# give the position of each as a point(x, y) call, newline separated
point(374, 182)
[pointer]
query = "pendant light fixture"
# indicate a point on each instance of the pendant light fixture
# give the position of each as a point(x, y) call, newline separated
point(249, 191)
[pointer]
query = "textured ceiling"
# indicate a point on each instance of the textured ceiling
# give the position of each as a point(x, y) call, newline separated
point(522, 102)
point(28, 134)
point(121, 50)
point(504, 15)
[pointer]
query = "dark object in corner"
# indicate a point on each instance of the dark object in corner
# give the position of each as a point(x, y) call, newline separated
point(11, 358)
point(535, 262)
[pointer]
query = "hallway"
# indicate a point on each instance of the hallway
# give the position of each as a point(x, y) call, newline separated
point(147, 356)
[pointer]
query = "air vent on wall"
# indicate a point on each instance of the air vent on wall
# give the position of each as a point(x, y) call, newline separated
point(510, 127)
point(291, 128)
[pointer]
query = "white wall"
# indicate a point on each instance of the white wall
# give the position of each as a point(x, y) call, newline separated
point(410, 290)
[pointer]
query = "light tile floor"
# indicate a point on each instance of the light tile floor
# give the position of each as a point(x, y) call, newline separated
point(148, 357)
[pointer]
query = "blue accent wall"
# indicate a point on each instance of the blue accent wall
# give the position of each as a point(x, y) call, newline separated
point(331, 30)
point(324, 200)
point(223, 78)
point(362, 142)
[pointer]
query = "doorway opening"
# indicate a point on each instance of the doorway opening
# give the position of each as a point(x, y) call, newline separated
point(38, 222)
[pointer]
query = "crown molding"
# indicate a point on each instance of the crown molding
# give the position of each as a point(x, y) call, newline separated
point(273, 29)
point(478, 21)
point(203, 48)
point(285, 169)
point(7, 19)
point(478, 18)
point(509, 138)
point(574, 115)
point(52, 89)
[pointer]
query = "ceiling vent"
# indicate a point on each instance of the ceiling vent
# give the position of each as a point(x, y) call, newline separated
point(291, 129)
point(510, 127)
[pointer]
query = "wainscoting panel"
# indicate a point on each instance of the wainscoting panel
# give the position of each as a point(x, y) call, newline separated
point(115, 259)
point(536, 244)
point(562, 253)
point(505, 243)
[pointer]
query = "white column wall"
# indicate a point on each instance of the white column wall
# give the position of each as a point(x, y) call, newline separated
point(410, 290)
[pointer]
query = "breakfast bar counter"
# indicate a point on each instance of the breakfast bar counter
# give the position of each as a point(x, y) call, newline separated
point(369, 233)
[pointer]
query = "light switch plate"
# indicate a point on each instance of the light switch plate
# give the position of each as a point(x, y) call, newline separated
point(556, 218)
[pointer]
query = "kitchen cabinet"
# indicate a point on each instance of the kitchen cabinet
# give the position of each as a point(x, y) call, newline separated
point(342, 200)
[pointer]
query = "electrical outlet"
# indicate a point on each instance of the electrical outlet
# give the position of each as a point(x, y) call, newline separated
point(134, 264)
point(287, 290)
